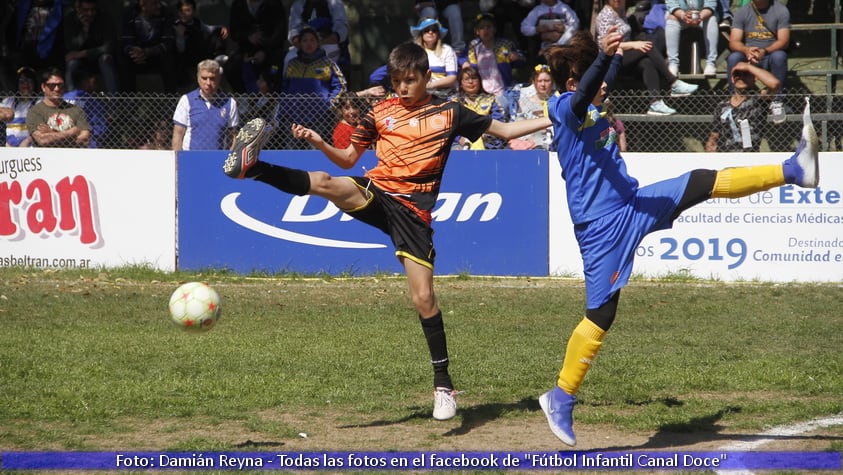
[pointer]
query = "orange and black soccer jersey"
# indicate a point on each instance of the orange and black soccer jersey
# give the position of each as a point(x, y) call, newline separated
point(412, 145)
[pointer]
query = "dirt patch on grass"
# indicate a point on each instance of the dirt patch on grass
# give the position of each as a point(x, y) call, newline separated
point(273, 430)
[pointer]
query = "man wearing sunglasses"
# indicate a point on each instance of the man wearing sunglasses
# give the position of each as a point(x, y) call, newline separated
point(54, 122)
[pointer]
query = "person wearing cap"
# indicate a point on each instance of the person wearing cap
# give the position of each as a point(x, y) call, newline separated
point(451, 11)
point(311, 84)
point(13, 109)
point(330, 20)
point(441, 56)
point(494, 58)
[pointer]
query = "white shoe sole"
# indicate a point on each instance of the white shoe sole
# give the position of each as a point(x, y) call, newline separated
point(808, 158)
point(251, 137)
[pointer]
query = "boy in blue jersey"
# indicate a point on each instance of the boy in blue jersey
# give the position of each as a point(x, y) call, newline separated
point(611, 213)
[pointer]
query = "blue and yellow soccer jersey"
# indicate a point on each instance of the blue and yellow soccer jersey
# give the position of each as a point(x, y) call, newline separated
point(610, 212)
point(595, 175)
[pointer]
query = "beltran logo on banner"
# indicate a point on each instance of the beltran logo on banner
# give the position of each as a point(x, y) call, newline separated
point(86, 208)
point(490, 218)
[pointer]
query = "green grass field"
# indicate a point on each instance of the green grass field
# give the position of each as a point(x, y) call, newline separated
point(90, 361)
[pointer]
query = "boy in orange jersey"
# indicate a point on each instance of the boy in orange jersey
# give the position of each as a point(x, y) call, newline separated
point(412, 134)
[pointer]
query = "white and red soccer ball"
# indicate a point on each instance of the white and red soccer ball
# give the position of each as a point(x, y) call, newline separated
point(195, 307)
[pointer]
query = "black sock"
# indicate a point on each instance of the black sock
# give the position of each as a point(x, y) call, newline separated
point(285, 179)
point(434, 333)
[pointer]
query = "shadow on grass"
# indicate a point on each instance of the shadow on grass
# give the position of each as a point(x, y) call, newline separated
point(257, 444)
point(704, 429)
point(472, 417)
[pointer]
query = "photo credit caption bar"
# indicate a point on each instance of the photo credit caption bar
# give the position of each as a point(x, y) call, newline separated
point(411, 461)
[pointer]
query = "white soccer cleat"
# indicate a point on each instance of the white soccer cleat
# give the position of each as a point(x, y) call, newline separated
point(444, 404)
point(807, 154)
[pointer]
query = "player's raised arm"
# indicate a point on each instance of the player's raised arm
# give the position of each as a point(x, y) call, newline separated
point(518, 128)
point(342, 157)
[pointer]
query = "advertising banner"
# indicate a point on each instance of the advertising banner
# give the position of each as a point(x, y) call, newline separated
point(75, 209)
point(784, 234)
point(491, 218)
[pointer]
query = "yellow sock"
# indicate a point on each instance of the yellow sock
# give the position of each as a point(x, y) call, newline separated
point(744, 181)
point(583, 346)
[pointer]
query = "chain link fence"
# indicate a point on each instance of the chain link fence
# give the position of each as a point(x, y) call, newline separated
point(144, 120)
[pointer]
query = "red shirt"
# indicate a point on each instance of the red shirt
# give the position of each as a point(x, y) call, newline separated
point(342, 134)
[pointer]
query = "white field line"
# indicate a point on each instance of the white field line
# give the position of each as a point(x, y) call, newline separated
point(774, 433)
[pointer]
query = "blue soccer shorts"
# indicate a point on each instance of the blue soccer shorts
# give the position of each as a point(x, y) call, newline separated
point(608, 243)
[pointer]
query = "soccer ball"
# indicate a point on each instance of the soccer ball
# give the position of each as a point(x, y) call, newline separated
point(195, 307)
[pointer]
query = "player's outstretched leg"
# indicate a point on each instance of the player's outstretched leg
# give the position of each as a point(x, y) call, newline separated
point(803, 168)
point(247, 145)
point(558, 407)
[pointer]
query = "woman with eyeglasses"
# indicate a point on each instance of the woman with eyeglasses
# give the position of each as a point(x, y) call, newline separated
point(441, 57)
point(13, 109)
point(473, 96)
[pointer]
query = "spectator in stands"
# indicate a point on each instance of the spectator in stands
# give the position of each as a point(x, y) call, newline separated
point(54, 122)
point(38, 36)
point(451, 11)
point(148, 46)
point(330, 20)
point(531, 103)
point(553, 21)
point(265, 102)
point(195, 41)
point(14, 109)
point(761, 35)
point(311, 84)
point(640, 59)
point(90, 42)
point(442, 58)
point(160, 138)
point(472, 95)
point(205, 118)
point(617, 124)
point(740, 119)
point(683, 14)
point(724, 13)
point(510, 13)
point(348, 110)
point(258, 29)
point(651, 18)
point(494, 58)
point(88, 97)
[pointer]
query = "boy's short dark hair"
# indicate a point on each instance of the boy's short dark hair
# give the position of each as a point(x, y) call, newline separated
point(407, 57)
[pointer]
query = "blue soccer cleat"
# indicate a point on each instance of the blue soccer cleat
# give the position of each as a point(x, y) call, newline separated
point(558, 406)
